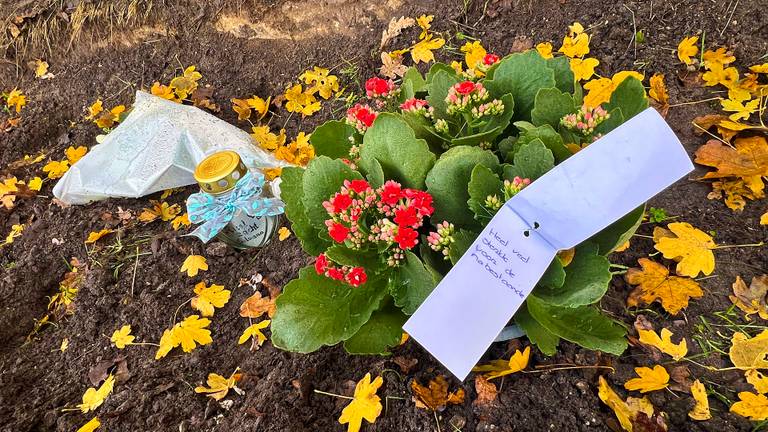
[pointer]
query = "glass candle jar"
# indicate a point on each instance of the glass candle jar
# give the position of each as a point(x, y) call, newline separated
point(232, 205)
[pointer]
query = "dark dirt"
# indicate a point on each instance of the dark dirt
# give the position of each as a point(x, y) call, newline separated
point(245, 48)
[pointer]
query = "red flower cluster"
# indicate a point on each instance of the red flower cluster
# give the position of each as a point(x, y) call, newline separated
point(490, 59)
point(354, 276)
point(385, 219)
point(379, 88)
point(361, 117)
point(465, 87)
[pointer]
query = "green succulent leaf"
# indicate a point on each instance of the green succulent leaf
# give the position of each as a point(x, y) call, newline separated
point(382, 332)
point(537, 334)
point(629, 96)
point(411, 283)
point(532, 161)
point(437, 89)
point(551, 139)
point(550, 106)
point(462, 240)
point(522, 75)
point(418, 83)
point(332, 139)
point(314, 310)
point(448, 179)
point(482, 183)
point(293, 193)
point(583, 325)
point(564, 79)
point(586, 280)
point(368, 259)
point(554, 277)
point(402, 156)
point(617, 233)
point(323, 178)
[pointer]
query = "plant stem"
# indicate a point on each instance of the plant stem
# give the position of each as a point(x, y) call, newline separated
point(741, 245)
point(333, 394)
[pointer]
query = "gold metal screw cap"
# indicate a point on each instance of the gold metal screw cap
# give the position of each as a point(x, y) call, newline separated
point(220, 172)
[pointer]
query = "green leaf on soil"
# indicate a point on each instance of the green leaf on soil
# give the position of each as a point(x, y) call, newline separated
point(532, 161)
point(617, 233)
point(448, 179)
point(523, 75)
point(332, 139)
point(538, 335)
point(482, 183)
point(550, 106)
point(411, 283)
point(583, 325)
point(314, 311)
point(586, 280)
point(382, 332)
point(323, 178)
point(293, 195)
point(402, 156)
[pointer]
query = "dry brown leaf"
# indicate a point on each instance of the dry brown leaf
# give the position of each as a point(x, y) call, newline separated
point(735, 192)
point(748, 159)
point(751, 300)
point(436, 396)
point(486, 391)
point(749, 353)
point(654, 283)
point(395, 27)
point(255, 306)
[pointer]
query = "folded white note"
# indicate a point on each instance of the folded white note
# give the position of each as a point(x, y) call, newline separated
point(566, 206)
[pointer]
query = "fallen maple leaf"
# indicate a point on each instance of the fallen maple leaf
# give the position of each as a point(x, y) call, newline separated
point(122, 337)
point(486, 391)
point(497, 368)
point(56, 169)
point(690, 247)
point(601, 89)
point(720, 56)
point(583, 69)
point(701, 410)
point(664, 342)
point(193, 264)
point(365, 404)
point(749, 353)
point(254, 331)
point(188, 334)
point(422, 51)
point(208, 298)
point(658, 92)
point(96, 235)
point(751, 405)
point(687, 49)
point(758, 380)
point(436, 396)
point(748, 158)
point(93, 398)
point(654, 283)
point(91, 426)
point(740, 110)
point(753, 299)
point(75, 154)
point(628, 413)
point(255, 306)
point(283, 233)
point(162, 210)
point(648, 379)
point(218, 386)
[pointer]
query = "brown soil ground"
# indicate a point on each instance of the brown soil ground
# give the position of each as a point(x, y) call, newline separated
point(251, 47)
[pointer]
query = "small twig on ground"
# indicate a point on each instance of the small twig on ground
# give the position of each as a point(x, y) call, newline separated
point(135, 267)
point(729, 17)
point(634, 31)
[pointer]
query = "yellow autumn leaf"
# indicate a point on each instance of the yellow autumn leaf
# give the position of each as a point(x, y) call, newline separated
point(664, 342)
point(758, 380)
point(752, 406)
point(241, 107)
point(93, 398)
point(720, 56)
point(16, 100)
point(208, 298)
point(180, 221)
point(764, 219)
point(739, 94)
point(193, 264)
point(474, 54)
point(35, 184)
point(218, 386)
point(122, 337)
point(575, 46)
point(365, 405)
point(107, 119)
point(425, 22)
point(498, 368)
point(700, 411)
point(318, 80)
point(422, 51)
point(687, 49)
point(741, 111)
point(91, 426)
point(690, 247)
point(752, 299)
point(283, 233)
point(188, 333)
point(545, 50)
point(600, 89)
point(187, 83)
point(163, 91)
point(96, 235)
point(717, 74)
point(615, 403)
point(583, 69)
point(761, 68)
point(254, 331)
point(75, 154)
point(648, 379)
point(749, 353)
point(654, 283)
point(56, 169)
point(299, 101)
point(64, 345)
point(161, 210)
point(658, 90)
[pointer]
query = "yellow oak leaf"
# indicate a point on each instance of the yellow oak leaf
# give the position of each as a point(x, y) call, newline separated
point(180, 221)
point(35, 184)
point(752, 299)
point(193, 264)
point(75, 154)
point(16, 100)
point(545, 50)
point(700, 411)
point(208, 298)
point(690, 247)
point(93, 398)
point(422, 51)
point(187, 83)
point(648, 379)
point(664, 342)
point(583, 69)
point(720, 56)
point(575, 45)
point(283, 233)
point(56, 169)
point(254, 331)
point(654, 283)
point(741, 111)
point(687, 48)
point(365, 405)
point(122, 337)
point(717, 74)
point(761, 68)
point(752, 406)
point(255, 306)
point(658, 91)
point(96, 235)
point(436, 396)
point(188, 333)
point(749, 353)
point(218, 386)
point(758, 380)
point(497, 368)
point(91, 426)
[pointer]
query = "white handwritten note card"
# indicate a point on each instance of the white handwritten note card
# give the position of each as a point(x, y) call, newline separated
point(566, 206)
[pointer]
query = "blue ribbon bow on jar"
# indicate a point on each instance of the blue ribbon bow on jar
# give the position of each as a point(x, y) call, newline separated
point(215, 212)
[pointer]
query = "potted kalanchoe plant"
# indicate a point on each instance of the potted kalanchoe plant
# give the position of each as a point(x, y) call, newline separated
point(403, 185)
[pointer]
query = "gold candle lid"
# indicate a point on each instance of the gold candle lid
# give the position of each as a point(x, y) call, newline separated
point(220, 172)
